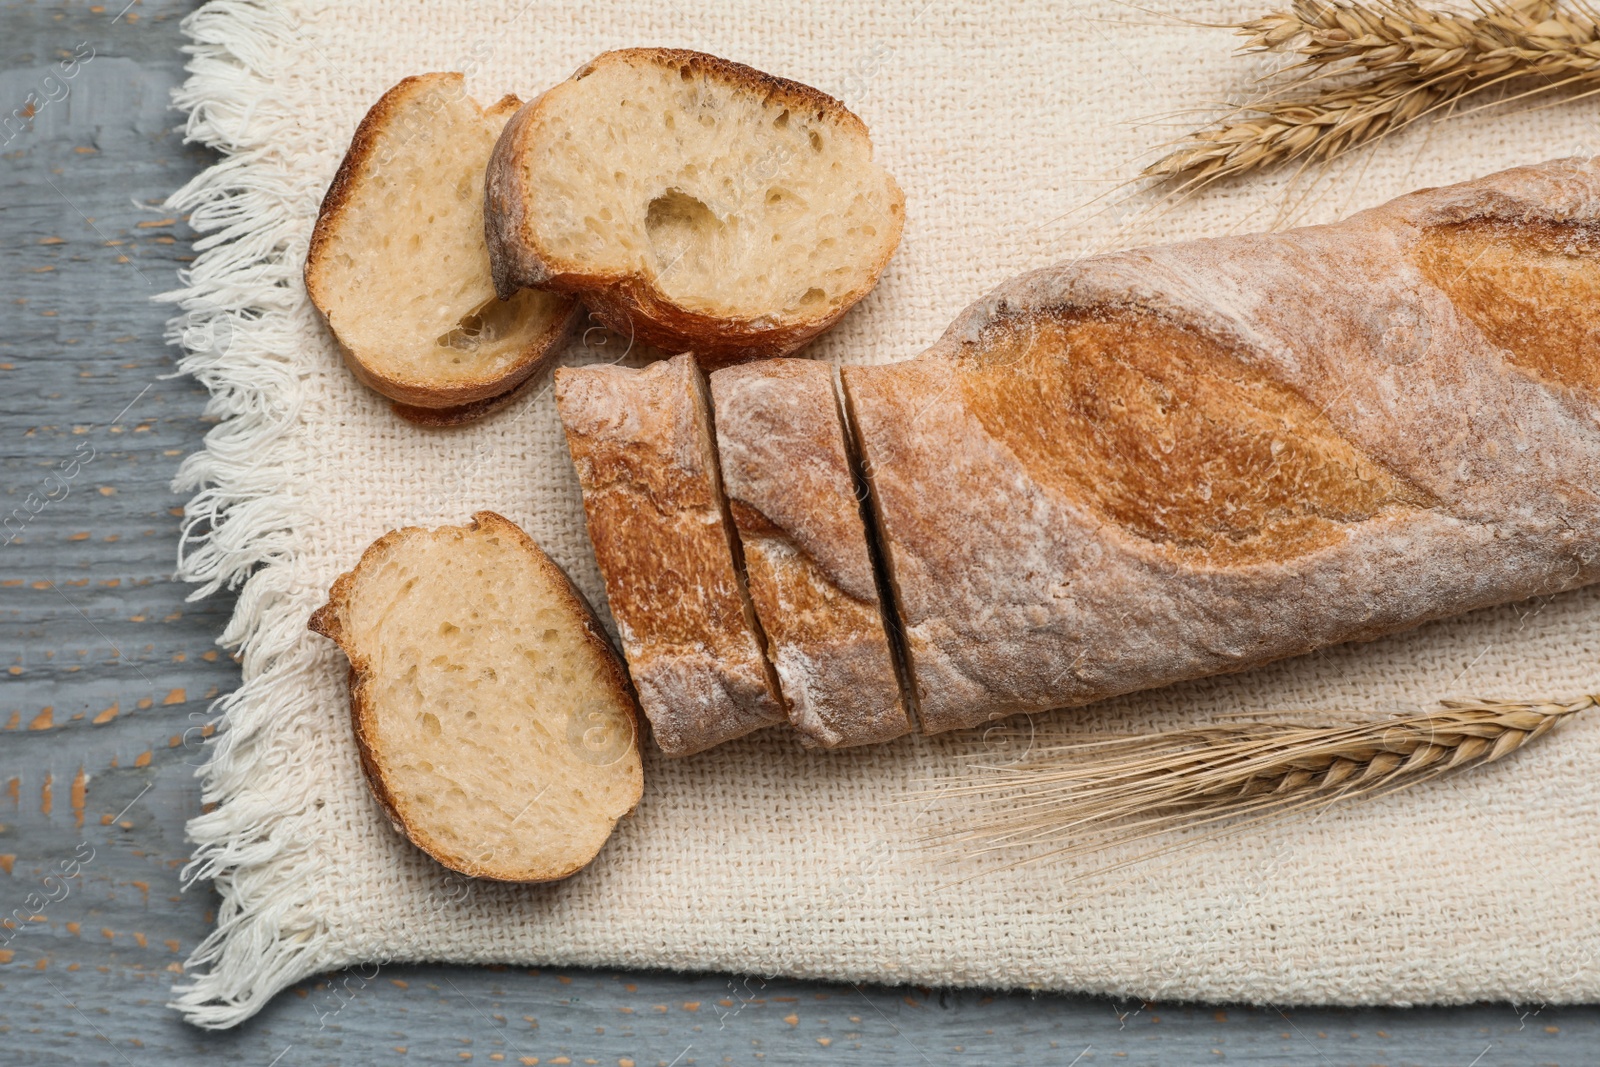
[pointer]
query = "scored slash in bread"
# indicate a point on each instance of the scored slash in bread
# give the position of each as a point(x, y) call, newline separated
point(642, 444)
point(399, 269)
point(495, 724)
point(693, 203)
point(786, 469)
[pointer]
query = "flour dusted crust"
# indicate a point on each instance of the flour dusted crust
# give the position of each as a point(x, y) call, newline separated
point(786, 470)
point(1177, 461)
point(641, 441)
point(692, 203)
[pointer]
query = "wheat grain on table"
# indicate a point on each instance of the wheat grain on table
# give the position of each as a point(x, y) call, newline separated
point(108, 674)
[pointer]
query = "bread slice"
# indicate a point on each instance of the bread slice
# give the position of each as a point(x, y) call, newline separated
point(494, 721)
point(398, 266)
point(694, 203)
point(641, 440)
point(792, 492)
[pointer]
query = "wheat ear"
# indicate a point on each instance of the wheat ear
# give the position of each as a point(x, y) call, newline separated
point(1086, 795)
point(1366, 70)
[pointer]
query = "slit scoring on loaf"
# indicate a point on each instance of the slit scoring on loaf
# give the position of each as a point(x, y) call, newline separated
point(787, 475)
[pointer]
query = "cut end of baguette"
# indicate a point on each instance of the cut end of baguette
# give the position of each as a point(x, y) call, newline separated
point(693, 202)
point(398, 263)
point(495, 723)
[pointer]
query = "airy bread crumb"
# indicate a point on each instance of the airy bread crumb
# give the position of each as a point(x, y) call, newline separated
point(495, 722)
point(398, 265)
point(693, 203)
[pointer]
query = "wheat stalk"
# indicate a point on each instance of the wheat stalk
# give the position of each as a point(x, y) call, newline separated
point(1366, 70)
point(1083, 796)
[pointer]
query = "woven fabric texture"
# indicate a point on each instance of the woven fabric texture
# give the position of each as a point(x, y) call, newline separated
point(1011, 125)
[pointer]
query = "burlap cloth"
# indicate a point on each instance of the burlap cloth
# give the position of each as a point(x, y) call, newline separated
point(1010, 126)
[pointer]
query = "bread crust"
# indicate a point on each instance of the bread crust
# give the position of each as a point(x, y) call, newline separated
point(457, 403)
point(1401, 440)
point(791, 488)
point(631, 304)
point(329, 622)
point(445, 418)
point(641, 443)
point(418, 390)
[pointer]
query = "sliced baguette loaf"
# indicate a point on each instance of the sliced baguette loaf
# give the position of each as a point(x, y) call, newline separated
point(495, 724)
point(1170, 462)
point(399, 269)
point(694, 203)
point(787, 471)
point(642, 444)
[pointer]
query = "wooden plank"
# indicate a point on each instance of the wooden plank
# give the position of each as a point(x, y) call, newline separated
point(108, 672)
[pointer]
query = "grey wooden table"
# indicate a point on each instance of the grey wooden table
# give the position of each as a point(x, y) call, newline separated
point(108, 670)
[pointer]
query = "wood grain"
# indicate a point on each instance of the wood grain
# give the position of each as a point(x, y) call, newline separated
point(107, 674)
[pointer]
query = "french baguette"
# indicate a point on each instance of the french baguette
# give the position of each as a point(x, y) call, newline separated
point(693, 203)
point(790, 483)
point(495, 724)
point(399, 269)
point(1177, 461)
point(642, 444)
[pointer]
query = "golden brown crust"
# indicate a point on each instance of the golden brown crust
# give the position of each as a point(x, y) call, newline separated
point(1177, 461)
point(641, 445)
point(446, 418)
point(1145, 410)
point(420, 390)
point(632, 307)
point(630, 304)
point(1504, 275)
point(363, 144)
point(328, 621)
point(793, 94)
point(506, 106)
point(791, 490)
point(512, 262)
